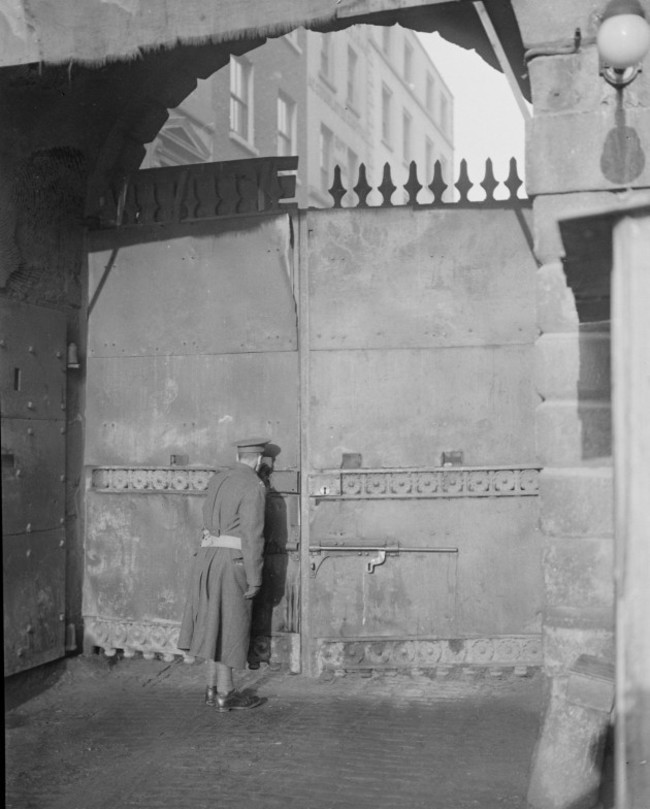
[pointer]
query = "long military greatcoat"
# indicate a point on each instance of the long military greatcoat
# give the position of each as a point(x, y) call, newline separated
point(217, 618)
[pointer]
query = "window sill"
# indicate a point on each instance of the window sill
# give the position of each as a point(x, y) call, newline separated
point(237, 138)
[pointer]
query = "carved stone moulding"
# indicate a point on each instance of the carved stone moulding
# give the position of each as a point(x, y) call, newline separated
point(440, 482)
point(519, 652)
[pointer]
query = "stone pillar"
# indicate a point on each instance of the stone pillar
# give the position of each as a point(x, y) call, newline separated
point(588, 146)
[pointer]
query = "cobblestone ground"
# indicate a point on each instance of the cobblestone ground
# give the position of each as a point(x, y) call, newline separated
point(135, 733)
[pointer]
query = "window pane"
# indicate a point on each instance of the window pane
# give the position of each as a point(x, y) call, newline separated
point(240, 91)
point(326, 158)
point(286, 125)
point(429, 93)
point(408, 63)
point(406, 137)
point(352, 74)
point(385, 114)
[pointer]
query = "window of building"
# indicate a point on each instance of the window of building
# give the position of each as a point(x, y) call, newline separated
point(241, 98)
point(326, 56)
point(408, 63)
point(444, 114)
point(352, 169)
point(407, 122)
point(386, 99)
point(353, 61)
point(428, 160)
point(326, 158)
point(286, 125)
point(385, 40)
point(429, 94)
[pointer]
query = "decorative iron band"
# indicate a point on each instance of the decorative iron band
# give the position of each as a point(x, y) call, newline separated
point(151, 479)
point(152, 637)
point(495, 481)
point(148, 637)
point(502, 651)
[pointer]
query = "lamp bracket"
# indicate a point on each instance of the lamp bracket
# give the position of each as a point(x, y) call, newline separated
point(619, 77)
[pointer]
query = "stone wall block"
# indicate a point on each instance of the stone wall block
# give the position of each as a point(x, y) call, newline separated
point(556, 308)
point(563, 645)
point(555, 20)
point(588, 151)
point(578, 572)
point(561, 83)
point(574, 366)
point(570, 432)
point(577, 502)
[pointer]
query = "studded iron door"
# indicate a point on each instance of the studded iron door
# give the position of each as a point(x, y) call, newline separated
point(32, 345)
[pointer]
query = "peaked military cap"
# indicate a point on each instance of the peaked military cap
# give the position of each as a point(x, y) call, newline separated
point(251, 444)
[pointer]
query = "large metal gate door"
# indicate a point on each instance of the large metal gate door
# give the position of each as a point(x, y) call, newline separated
point(192, 343)
point(33, 496)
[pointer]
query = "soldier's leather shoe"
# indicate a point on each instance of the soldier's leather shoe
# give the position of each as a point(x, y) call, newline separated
point(234, 701)
point(211, 696)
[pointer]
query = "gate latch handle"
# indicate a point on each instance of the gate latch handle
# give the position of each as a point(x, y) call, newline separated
point(371, 564)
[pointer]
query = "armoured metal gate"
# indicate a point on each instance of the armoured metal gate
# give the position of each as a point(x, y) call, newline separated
point(33, 473)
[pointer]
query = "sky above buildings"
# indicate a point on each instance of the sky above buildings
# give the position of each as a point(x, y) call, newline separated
point(487, 118)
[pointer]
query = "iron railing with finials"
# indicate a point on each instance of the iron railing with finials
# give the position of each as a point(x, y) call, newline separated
point(184, 194)
point(439, 189)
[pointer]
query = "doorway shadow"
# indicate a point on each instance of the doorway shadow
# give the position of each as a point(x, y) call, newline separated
point(274, 608)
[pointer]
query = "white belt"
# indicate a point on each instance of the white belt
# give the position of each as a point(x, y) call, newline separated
point(223, 541)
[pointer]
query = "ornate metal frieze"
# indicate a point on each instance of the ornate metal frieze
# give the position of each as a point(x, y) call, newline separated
point(178, 194)
point(368, 484)
point(151, 638)
point(173, 479)
point(500, 652)
point(151, 479)
point(148, 637)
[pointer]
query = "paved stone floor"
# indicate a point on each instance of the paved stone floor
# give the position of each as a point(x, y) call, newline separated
point(135, 733)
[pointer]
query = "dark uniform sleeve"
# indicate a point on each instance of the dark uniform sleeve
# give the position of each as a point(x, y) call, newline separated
point(251, 516)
